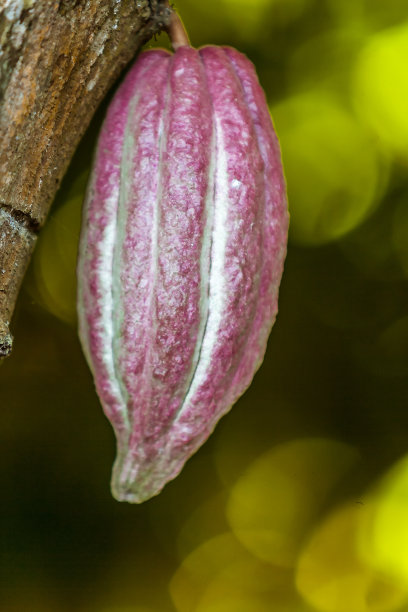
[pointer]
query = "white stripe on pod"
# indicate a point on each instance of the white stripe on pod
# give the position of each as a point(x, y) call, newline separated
point(103, 326)
point(106, 277)
point(216, 281)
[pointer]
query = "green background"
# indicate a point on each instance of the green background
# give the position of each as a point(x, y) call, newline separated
point(299, 500)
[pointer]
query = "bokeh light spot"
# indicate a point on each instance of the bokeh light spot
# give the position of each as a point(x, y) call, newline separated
point(54, 263)
point(325, 58)
point(331, 164)
point(222, 575)
point(234, 604)
point(248, 17)
point(205, 522)
point(384, 536)
point(331, 576)
point(272, 506)
point(200, 567)
point(380, 86)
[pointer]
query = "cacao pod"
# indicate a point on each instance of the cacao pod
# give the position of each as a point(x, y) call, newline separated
point(181, 255)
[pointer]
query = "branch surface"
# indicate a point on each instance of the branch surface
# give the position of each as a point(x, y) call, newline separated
point(57, 61)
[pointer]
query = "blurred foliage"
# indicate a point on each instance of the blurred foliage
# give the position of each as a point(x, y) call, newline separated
point(298, 502)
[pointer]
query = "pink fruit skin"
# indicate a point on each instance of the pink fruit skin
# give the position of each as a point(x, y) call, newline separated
point(181, 255)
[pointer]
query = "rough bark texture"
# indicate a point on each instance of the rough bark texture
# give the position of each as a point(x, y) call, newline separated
point(57, 61)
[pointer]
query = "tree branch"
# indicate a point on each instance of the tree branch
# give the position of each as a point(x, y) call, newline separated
point(57, 61)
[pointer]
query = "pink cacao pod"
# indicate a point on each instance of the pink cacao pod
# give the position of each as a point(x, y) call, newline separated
point(181, 255)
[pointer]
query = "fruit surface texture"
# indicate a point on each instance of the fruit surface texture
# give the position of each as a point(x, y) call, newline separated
point(181, 255)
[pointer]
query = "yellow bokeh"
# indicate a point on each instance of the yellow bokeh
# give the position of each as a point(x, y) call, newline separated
point(331, 575)
point(222, 20)
point(332, 167)
point(384, 535)
point(248, 17)
point(349, 12)
point(200, 567)
point(221, 575)
point(54, 263)
point(243, 585)
point(234, 604)
point(206, 521)
point(380, 86)
point(324, 59)
point(274, 503)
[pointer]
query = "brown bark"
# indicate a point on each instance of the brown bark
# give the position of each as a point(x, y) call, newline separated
point(57, 61)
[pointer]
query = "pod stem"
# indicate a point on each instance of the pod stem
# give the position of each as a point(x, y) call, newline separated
point(177, 32)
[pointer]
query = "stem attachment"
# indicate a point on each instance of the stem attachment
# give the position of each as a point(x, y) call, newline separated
point(177, 32)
